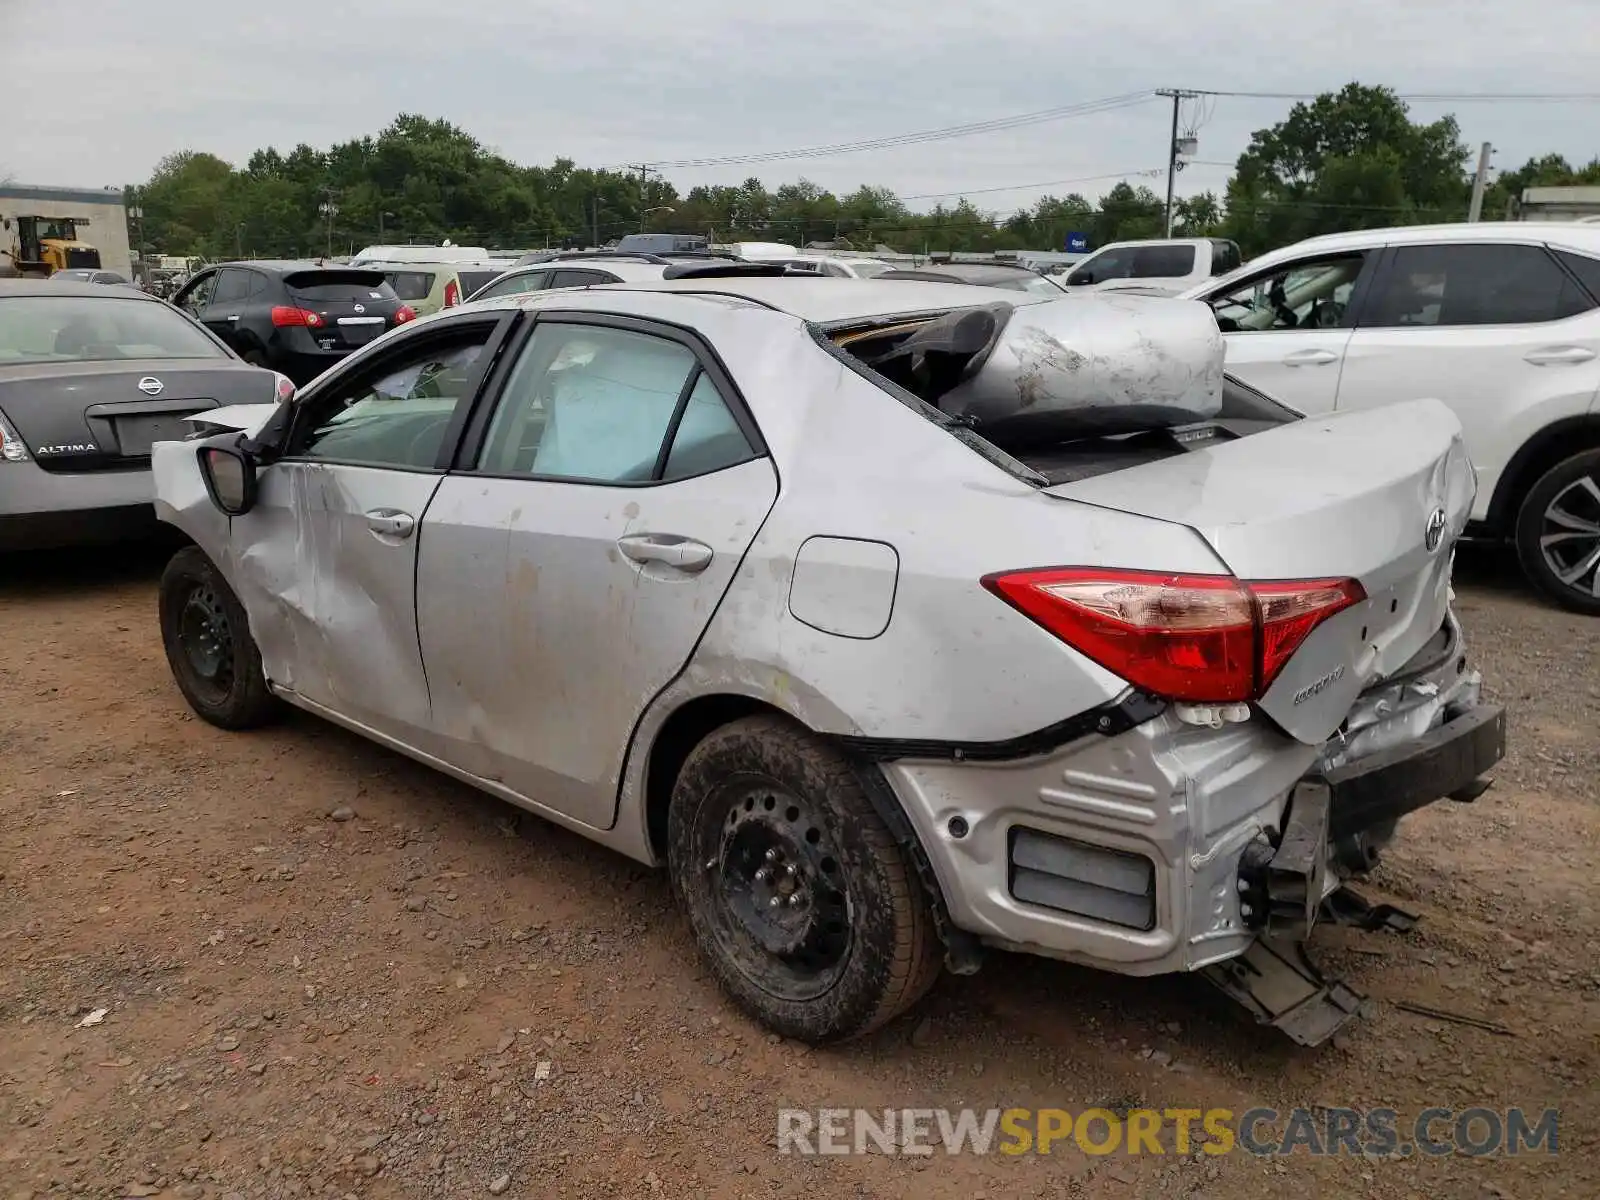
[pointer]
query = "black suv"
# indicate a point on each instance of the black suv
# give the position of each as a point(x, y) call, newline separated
point(298, 318)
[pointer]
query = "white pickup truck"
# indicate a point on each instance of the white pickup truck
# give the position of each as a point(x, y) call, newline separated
point(1162, 268)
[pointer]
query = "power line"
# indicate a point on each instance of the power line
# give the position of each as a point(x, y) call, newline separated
point(1438, 97)
point(1023, 187)
point(994, 125)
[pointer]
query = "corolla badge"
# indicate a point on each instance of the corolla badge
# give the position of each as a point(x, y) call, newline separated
point(1433, 531)
point(151, 386)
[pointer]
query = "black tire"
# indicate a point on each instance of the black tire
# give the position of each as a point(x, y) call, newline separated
point(1562, 569)
point(856, 945)
point(209, 648)
point(256, 359)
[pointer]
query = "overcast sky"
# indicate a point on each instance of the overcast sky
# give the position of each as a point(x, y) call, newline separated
point(94, 92)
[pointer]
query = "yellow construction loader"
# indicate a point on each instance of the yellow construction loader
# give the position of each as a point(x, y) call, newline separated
point(42, 245)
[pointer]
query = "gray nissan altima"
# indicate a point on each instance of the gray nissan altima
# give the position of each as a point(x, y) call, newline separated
point(90, 376)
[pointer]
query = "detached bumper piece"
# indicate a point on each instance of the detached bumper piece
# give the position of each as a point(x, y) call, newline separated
point(1447, 761)
point(1282, 987)
point(1284, 888)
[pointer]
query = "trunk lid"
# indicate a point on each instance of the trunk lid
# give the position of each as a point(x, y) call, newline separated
point(86, 416)
point(355, 305)
point(1378, 496)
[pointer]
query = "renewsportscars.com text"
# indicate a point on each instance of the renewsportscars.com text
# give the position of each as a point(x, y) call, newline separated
point(1319, 1132)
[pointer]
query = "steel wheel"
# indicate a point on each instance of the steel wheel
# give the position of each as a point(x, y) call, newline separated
point(782, 911)
point(207, 639)
point(1570, 536)
point(806, 906)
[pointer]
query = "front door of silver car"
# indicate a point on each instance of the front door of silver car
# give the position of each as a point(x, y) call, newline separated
point(567, 574)
point(329, 576)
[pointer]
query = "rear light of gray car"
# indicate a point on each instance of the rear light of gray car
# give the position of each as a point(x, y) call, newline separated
point(1205, 639)
point(1087, 881)
point(11, 447)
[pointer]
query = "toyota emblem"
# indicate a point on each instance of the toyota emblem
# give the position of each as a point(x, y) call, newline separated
point(1433, 532)
point(361, 308)
point(151, 386)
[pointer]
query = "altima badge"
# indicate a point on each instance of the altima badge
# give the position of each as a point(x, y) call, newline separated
point(1433, 532)
point(151, 386)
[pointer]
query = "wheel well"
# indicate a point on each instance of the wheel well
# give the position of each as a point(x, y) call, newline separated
point(684, 730)
point(1538, 454)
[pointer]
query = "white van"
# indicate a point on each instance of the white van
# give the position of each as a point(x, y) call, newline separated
point(419, 254)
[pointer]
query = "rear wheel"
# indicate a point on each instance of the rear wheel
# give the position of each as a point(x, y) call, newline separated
point(208, 643)
point(255, 358)
point(1558, 533)
point(807, 909)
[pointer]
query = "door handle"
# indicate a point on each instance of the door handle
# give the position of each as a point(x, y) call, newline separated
point(1309, 358)
point(685, 554)
point(1555, 355)
point(390, 522)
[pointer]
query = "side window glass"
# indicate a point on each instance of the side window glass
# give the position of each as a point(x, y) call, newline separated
point(1303, 295)
point(196, 300)
point(565, 279)
point(1585, 268)
point(591, 403)
point(232, 286)
point(1161, 262)
point(707, 438)
point(1474, 285)
point(398, 416)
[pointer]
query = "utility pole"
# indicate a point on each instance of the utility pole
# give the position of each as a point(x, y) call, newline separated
point(1178, 96)
point(1475, 213)
point(596, 243)
point(645, 171)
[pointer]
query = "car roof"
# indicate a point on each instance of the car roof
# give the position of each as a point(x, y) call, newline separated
point(621, 267)
point(822, 300)
point(975, 272)
point(1565, 233)
point(46, 287)
point(291, 266)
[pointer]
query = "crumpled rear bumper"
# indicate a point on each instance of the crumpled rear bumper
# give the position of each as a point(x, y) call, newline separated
point(1146, 852)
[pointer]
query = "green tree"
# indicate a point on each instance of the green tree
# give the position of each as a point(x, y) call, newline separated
point(1347, 160)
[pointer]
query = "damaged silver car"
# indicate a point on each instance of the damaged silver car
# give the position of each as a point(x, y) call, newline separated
point(896, 620)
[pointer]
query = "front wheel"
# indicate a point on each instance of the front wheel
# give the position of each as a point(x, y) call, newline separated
point(1558, 533)
point(209, 648)
point(808, 910)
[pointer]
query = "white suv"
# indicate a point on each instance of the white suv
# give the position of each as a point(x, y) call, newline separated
point(1500, 321)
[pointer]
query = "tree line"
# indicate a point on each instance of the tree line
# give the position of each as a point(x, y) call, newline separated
point(1346, 160)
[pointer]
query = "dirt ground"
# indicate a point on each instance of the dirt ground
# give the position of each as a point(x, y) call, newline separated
point(329, 971)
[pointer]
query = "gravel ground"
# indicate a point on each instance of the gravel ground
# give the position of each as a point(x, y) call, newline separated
point(327, 971)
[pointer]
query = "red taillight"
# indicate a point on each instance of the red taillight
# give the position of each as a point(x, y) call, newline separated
point(284, 387)
point(404, 313)
point(283, 316)
point(1209, 639)
point(452, 294)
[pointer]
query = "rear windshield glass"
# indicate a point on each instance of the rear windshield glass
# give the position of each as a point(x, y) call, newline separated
point(97, 329)
point(333, 286)
point(471, 281)
point(410, 285)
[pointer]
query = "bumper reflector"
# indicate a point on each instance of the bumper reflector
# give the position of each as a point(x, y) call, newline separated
point(1087, 881)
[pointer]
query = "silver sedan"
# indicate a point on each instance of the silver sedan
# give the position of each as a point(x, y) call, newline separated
point(899, 620)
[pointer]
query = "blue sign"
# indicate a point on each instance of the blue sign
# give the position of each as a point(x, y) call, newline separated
point(1077, 243)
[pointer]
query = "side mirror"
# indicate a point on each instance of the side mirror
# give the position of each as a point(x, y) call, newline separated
point(230, 477)
point(1079, 278)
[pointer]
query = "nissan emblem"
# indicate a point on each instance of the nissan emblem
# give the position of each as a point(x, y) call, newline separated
point(150, 385)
